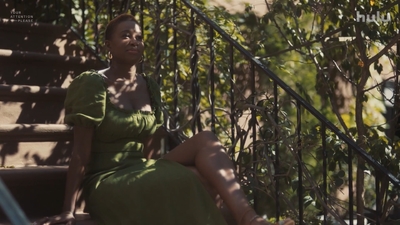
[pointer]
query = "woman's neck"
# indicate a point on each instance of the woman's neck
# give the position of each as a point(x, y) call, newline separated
point(116, 72)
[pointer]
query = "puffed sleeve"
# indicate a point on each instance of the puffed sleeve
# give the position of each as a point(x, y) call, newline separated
point(85, 102)
point(156, 97)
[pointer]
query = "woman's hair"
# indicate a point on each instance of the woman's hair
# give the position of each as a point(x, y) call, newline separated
point(114, 23)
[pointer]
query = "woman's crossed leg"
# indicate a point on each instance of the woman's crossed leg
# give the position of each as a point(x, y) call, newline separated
point(204, 152)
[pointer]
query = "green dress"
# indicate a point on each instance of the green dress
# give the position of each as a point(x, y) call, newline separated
point(121, 187)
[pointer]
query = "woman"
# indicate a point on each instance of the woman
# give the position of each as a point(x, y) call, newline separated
point(115, 113)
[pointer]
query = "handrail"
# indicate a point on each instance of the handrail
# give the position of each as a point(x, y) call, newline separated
point(289, 90)
point(353, 148)
point(93, 51)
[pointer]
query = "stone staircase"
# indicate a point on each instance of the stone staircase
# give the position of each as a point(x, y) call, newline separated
point(37, 63)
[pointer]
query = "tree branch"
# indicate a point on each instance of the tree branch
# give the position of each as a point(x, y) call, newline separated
point(308, 43)
point(384, 50)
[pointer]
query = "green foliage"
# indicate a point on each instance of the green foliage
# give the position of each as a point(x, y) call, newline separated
point(297, 46)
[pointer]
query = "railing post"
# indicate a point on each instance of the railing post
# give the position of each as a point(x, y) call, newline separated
point(254, 133)
point(195, 78)
point(212, 78)
point(96, 30)
point(48, 9)
point(110, 12)
point(324, 170)
point(300, 191)
point(123, 9)
point(175, 66)
point(277, 152)
point(83, 8)
point(141, 20)
point(351, 193)
point(157, 36)
point(232, 98)
point(378, 199)
point(70, 13)
point(57, 6)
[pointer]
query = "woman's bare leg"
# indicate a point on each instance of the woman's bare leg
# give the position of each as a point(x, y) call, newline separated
point(205, 152)
point(226, 213)
point(209, 188)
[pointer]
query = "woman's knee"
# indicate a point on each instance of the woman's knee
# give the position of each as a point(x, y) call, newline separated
point(206, 135)
point(207, 140)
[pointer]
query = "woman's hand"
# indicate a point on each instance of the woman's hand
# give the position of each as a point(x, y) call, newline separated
point(66, 218)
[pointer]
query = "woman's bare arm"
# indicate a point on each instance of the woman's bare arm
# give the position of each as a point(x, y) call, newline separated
point(80, 157)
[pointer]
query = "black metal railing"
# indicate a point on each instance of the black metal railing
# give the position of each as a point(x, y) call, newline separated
point(191, 73)
point(301, 104)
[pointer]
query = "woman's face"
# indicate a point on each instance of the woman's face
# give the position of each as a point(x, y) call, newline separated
point(126, 43)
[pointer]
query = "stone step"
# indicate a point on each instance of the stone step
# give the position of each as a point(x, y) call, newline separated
point(35, 144)
point(39, 191)
point(42, 69)
point(13, 112)
point(81, 219)
point(26, 93)
point(41, 59)
point(40, 37)
point(47, 57)
point(31, 104)
point(35, 132)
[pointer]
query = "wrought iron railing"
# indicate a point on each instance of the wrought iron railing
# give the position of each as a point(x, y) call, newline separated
point(267, 148)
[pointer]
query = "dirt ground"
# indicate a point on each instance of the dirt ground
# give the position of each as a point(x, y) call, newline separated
point(233, 6)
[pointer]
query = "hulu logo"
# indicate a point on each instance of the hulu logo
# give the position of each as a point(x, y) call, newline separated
point(372, 18)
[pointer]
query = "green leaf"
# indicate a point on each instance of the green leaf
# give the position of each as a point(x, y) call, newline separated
point(341, 174)
point(308, 201)
point(338, 182)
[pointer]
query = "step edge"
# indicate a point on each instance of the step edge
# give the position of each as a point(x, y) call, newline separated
point(31, 93)
point(39, 126)
point(28, 55)
point(35, 133)
point(21, 89)
point(32, 167)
